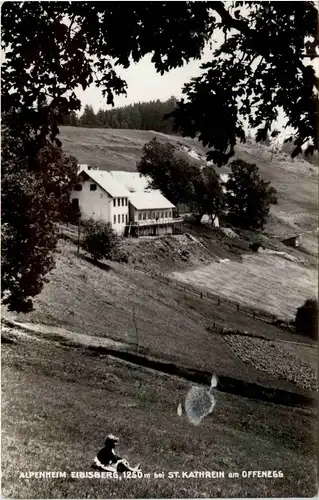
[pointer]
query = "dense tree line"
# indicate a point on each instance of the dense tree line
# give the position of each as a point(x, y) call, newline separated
point(137, 116)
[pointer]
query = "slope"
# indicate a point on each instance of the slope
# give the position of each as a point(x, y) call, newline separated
point(61, 398)
point(296, 181)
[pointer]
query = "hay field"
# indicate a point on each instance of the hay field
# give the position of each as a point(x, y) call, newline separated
point(114, 149)
point(268, 282)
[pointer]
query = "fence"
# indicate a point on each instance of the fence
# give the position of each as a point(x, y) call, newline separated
point(203, 293)
point(260, 315)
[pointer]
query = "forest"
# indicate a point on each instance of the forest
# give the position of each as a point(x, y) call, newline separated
point(139, 116)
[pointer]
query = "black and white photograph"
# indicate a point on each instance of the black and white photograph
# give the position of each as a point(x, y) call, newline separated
point(159, 249)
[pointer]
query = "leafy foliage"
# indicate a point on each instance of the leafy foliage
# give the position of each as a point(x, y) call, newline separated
point(180, 180)
point(259, 67)
point(100, 240)
point(34, 197)
point(311, 156)
point(168, 171)
point(306, 321)
point(53, 47)
point(257, 70)
point(208, 197)
point(248, 196)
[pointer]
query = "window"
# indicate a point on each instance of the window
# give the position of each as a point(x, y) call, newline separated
point(162, 215)
point(118, 202)
point(114, 219)
point(92, 187)
point(75, 203)
point(144, 215)
point(114, 202)
point(126, 202)
point(122, 218)
point(165, 215)
point(122, 202)
point(139, 216)
point(78, 187)
point(126, 218)
point(170, 213)
point(119, 218)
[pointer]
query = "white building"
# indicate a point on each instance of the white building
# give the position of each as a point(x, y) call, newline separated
point(150, 213)
point(97, 194)
point(133, 181)
point(123, 199)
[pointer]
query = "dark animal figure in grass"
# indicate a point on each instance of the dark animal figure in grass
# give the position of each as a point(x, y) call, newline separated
point(107, 460)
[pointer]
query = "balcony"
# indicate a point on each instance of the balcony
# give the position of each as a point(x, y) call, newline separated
point(154, 222)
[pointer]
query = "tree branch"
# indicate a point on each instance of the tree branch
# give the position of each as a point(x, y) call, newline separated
point(242, 26)
point(230, 21)
point(69, 30)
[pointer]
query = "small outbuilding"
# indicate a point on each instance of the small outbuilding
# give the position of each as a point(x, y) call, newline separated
point(293, 241)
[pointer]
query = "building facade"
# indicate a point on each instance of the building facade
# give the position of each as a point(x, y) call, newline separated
point(130, 210)
point(99, 196)
point(151, 214)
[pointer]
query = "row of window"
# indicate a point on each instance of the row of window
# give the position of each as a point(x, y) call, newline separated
point(119, 200)
point(93, 187)
point(154, 215)
point(119, 217)
point(79, 187)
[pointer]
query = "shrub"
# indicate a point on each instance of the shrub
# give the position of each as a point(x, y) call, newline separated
point(254, 246)
point(99, 240)
point(306, 322)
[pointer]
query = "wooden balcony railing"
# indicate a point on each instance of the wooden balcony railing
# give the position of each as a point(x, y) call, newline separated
point(152, 222)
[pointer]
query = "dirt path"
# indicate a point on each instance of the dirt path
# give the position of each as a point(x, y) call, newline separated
point(132, 354)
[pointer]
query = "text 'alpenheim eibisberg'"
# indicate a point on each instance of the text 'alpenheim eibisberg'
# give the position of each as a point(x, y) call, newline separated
point(246, 474)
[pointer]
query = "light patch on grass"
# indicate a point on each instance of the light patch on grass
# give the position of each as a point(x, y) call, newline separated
point(268, 282)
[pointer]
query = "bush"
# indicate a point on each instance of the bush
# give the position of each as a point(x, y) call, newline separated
point(99, 240)
point(306, 322)
point(254, 246)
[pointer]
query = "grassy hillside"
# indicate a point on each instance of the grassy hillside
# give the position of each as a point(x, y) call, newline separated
point(261, 278)
point(114, 149)
point(296, 181)
point(58, 403)
point(60, 397)
point(110, 348)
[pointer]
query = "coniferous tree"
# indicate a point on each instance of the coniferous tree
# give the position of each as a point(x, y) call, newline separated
point(88, 118)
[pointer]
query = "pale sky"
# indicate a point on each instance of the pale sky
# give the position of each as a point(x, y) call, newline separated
point(145, 84)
